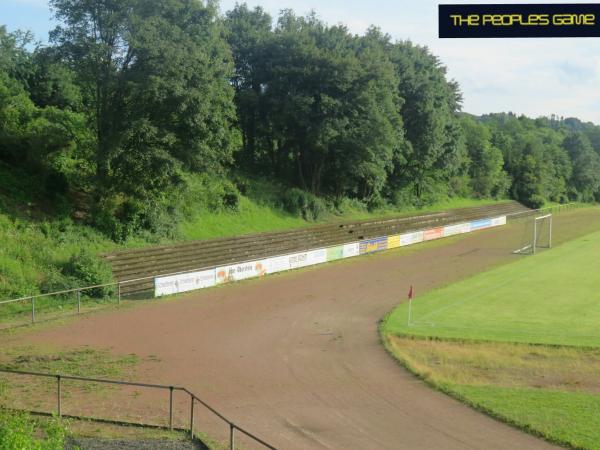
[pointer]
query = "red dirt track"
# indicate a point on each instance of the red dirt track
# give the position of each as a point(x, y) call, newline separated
point(296, 357)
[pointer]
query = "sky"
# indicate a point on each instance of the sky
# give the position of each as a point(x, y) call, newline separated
point(526, 76)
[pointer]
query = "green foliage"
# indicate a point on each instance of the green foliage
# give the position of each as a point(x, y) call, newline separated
point(156, 88)
point(90, 271)
point(430, 104)
point(209, 193)
point(304, 204)
point(146, 219)
point(20, 431)
point(585, 179)
point(333, 129)
point(486, 162)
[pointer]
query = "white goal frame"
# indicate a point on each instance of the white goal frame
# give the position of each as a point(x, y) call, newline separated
point(531, 248)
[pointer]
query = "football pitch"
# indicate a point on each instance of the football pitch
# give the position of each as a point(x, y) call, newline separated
point(552, 297)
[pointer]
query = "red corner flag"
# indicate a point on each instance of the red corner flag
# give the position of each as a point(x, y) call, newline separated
point(410, 293)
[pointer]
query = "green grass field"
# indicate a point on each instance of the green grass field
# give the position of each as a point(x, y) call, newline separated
point(519, 342)
point(550, 298)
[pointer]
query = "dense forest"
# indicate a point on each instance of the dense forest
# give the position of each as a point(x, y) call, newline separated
point(133, 110)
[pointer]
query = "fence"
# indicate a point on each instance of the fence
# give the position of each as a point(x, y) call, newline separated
point(77, 292)
point(171, 389)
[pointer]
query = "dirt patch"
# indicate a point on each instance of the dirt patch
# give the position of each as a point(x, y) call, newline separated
point(296, 357)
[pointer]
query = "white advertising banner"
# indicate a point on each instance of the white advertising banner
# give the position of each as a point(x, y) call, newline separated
point(318, 256)
point(278, 264)
point(184, 282)
point(351, 250)
point(411, 238)
point(451, 230)
point(296, 260)
point(498, 221)
point(309, 258)
point(243, 271)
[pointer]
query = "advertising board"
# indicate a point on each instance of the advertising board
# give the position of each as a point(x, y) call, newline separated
point(481, 224)
point(411, 238)
point(498, 221)
point(451, 230)
point(184, 282)
point(373, 245)
point(350, 250)
point(393, 241)
point(334, 253)
point(237, 272)
point(433, 233)
point(278, 264)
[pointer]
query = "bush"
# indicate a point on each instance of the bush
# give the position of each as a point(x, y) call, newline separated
point(151, 219)
point(376, 202)
point(90, 270)
point(302, 203)
point(19, 431)
point(460, 186)
point(231, 198)
point(535, 201)
point(54, 280)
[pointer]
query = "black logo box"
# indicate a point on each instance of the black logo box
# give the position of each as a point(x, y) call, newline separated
point(527, 21)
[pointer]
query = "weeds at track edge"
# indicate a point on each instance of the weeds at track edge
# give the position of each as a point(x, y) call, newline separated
point(460, 340)
point(447, 390)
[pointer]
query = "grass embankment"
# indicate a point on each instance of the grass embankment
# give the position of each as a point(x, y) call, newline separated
point(39, 238)
point(260, 210)
point(520, 342)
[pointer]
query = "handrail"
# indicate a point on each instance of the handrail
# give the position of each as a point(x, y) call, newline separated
point(150, 277)
point(193, 398)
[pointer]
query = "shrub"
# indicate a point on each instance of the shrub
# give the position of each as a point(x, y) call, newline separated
point(375, 202)
point(54, 280)
point(19, 431)
point(153, 219)
point(231, 198)
point(90, 270)
point(535, 201)
point(302, 203)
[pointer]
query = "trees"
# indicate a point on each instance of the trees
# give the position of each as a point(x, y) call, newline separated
point(156, 90)
point(133, 96)
point(247, 34)
point(486, 163)
point(429, 113)
point(585, 179)
point(326, 101)
point(44, 140)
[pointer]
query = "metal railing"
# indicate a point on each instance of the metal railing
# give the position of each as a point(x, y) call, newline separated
point(171, 389)
point(118, 284)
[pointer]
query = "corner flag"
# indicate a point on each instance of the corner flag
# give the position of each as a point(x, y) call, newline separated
point(410, 297)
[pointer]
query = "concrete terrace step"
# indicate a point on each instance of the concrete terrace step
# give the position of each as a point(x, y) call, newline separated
point(152, 261)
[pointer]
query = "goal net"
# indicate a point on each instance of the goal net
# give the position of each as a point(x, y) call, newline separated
point(537, 235)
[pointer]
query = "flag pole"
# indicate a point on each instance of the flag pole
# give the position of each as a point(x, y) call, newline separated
point(410, 296)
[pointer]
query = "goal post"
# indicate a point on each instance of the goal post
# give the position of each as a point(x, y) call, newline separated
point(542, 237)
point(538, 234)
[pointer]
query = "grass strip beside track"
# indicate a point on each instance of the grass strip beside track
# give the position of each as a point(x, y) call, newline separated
point(519, 342)
point(549, 391)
